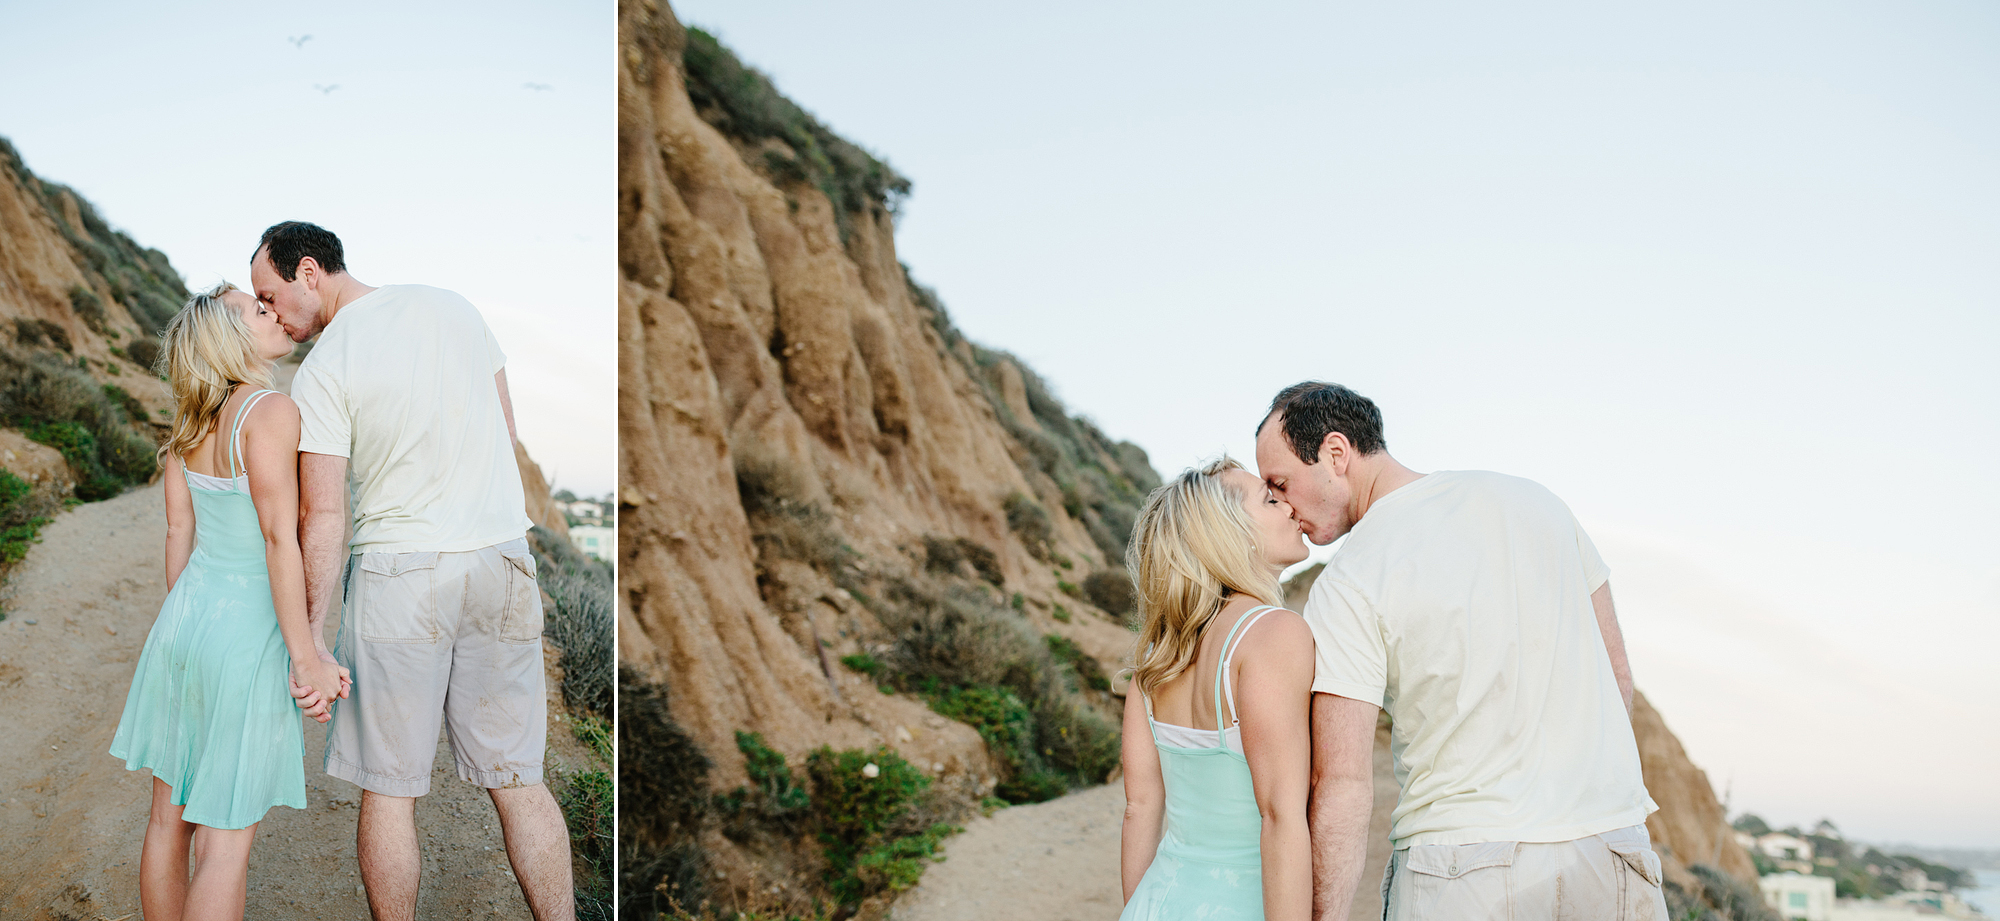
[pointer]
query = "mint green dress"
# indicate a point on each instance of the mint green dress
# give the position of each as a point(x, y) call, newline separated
point(210, 711)
point(1208, 866)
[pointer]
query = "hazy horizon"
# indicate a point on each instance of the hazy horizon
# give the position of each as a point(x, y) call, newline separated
point(1717, 276)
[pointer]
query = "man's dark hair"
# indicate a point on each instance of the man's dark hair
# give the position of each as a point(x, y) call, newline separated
point(292, 241)
point(1308, 410)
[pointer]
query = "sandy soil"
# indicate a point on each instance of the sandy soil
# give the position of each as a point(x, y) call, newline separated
point(71, 816)
point(1058, 861)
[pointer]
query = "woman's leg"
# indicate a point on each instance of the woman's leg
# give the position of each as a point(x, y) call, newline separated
point(221, 874)
point(163, 859)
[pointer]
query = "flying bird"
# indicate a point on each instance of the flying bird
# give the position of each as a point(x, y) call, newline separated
point(298, 41)
point(324, 88)
point(537, 87)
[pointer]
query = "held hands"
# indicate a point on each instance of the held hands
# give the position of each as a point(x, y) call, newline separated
point(317, 684)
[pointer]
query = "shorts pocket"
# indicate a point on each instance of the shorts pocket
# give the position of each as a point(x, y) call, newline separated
point(1639, 876)
point(521, 623)
point(1460, 880)
point(395, 598)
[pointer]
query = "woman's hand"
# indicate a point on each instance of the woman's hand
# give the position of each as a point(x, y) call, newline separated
point(316, 683)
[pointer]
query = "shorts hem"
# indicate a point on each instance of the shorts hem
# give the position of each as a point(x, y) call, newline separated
point(375, 783)
point(525, 775)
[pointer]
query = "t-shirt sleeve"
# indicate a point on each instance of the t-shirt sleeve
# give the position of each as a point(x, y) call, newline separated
point(324, 426)
point(1350, 657)
point(1595, 573)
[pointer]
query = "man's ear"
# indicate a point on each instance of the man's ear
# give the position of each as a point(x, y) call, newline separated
point(309, 272)
point(1335, 451)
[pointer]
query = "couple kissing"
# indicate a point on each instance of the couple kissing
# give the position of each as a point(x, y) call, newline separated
point(403, 405)
point(1469, 606)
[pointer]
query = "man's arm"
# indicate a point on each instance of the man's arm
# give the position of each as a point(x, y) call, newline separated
point(1343, 795)
point(506, 403)
point(322, 535)
point(1614, 642)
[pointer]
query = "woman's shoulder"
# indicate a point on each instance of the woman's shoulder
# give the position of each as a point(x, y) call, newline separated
point(273, 408)
point(1276, 630)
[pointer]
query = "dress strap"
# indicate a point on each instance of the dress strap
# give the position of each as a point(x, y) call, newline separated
point(1222, 671)
point(236, 430)
point(1151, 726)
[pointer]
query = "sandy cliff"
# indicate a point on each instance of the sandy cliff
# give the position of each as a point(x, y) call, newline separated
point(764, 334)
point(70, 284)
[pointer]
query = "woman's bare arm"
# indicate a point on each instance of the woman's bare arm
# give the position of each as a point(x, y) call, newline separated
point(1145, 794)
point(180, 521)
point(1273, 674)
point(271, 458)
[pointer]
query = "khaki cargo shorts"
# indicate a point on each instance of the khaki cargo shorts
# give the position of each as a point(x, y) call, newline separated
point(440, 637)
point(1614, 876)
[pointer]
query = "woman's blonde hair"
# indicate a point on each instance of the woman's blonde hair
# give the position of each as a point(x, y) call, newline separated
point(1193, 546)
point(208, 350)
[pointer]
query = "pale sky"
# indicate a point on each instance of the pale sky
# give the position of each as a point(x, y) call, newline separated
point(192, 127)
point(1720, 276)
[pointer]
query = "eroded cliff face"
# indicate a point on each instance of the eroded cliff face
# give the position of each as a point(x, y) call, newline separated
point(76, 291)
point(772, 347)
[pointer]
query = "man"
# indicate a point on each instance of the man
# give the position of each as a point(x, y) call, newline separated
point(442, 619)
point(1473, 608)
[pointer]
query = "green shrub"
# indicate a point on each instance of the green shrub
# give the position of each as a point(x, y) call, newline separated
point(144, 351)
point(87, 305)
point(1068, 588)
point(23, 512)
point(663, 804)
point(67, 409)
point(1030, 523)
point(41, 332)
point(861, 820)
point(595, 734)
point(1067, 652)
point(743, 104)
point(1111, 590)
point(579, 619)
point(587, 802)
point(999, 717)
point(1060, 613)
point(975, 661)
point(126, 401)
point(863, 663)
point(785, 522)
point(942, 555)
point(773, 798)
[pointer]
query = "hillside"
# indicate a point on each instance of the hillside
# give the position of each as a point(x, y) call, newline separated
point(80, 307)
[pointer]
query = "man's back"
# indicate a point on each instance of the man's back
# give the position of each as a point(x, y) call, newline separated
point(402, 384)
point(1461, 603)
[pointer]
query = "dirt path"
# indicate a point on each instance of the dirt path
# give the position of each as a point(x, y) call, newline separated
point(1058, 861)
point(71, 816)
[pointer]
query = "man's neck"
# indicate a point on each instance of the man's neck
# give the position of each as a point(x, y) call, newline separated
point(1380, 478)
point(346, 290)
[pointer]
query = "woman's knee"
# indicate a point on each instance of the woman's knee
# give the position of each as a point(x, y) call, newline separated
point(226, 845)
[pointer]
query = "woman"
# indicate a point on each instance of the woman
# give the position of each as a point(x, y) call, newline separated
point(211, 709)
point(1217, 727)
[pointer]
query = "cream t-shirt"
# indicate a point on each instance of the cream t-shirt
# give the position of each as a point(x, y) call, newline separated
point(401, 384)
point(1461, 604)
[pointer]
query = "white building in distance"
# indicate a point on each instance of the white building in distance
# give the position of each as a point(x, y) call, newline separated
point(596, 541)
point(1792, 896)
